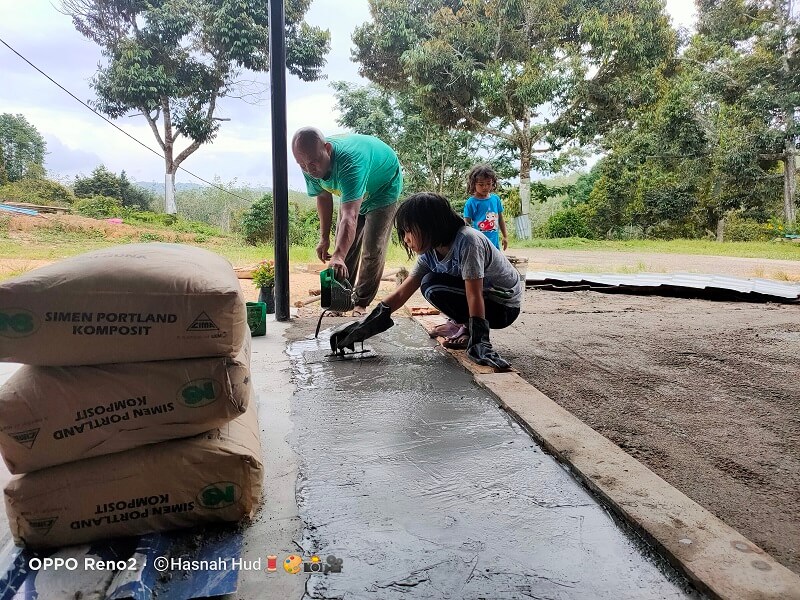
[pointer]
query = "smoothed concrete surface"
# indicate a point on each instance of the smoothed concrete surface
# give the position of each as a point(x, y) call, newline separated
point(424, 488)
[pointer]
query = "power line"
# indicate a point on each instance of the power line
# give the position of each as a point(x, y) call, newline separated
point(115, 126)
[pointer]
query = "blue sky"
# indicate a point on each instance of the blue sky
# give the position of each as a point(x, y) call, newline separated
point(78, 140)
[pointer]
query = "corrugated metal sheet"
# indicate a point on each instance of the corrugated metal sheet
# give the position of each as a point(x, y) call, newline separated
point(16, 209)
point(669, 284)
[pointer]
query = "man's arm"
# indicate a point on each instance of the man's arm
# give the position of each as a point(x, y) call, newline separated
point(325, 211)
point(345, 234)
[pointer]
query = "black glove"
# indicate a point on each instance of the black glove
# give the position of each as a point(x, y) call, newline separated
point(479, 348)
point(346, 336)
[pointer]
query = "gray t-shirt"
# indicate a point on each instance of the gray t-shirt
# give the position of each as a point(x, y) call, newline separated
point(473, 256)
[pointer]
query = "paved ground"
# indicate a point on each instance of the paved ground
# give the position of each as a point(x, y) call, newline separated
point(425, 489)
point(704, 393)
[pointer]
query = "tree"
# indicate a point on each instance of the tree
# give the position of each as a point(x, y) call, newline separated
point(713, 142)
point(434, 157)
point(3, 174)
point(172, 60)
point(22, 149)
point(103, 182)
point(751, 53)
point(537, 75)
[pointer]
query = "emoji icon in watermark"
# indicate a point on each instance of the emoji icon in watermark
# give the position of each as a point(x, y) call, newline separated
point(315, 565)
point(293, 564)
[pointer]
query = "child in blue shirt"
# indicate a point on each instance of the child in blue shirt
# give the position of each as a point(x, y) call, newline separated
point(484, 209)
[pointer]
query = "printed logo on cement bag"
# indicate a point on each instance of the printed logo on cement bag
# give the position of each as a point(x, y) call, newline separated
point(203, 323)
point(199, 392)
point(219, 495)
point(17, 322)
point(42, 526)
point(26, 438)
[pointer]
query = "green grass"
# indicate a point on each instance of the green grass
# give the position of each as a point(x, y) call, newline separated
point(56, 242)
point(52, 244)
point(776, 250)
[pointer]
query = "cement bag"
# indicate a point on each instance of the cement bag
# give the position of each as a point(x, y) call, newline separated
point(132, 303)
point(212, 477)
point(55, 415)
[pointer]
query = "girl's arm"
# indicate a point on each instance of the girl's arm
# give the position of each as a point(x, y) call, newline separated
point(503, 232)
point(474, 288)
point(401, 295)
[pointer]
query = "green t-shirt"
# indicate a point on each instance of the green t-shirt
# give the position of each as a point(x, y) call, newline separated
point(361, 166)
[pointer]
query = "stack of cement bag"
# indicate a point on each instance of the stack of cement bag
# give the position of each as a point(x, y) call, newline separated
point(132, 411)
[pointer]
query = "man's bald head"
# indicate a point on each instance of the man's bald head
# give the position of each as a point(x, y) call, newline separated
point(312, 152)
point(308, 138)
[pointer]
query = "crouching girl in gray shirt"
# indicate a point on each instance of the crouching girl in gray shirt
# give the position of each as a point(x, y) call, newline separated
point(459, 271)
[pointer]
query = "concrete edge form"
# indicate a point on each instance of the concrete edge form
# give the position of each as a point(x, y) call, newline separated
point(716, 558)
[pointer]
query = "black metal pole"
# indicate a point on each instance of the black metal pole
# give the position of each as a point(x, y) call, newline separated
point(280, 177)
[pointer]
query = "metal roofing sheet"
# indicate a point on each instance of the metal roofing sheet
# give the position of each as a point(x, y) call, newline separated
point(663, 283)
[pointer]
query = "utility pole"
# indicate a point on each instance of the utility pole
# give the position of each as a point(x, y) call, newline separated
point(280, 175)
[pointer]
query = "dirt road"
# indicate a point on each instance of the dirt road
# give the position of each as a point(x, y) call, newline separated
point(596, 261)
point(704, 393)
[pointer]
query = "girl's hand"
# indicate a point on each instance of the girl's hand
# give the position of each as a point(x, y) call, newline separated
point(505, 243)
point(479, 348)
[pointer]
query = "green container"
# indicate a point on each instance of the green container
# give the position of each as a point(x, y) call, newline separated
point(336, 295)
point(257, 318)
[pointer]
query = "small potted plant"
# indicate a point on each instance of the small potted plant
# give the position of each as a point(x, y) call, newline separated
point(264, 280)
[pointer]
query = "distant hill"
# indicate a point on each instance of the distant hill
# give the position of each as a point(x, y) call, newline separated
point(157, 187)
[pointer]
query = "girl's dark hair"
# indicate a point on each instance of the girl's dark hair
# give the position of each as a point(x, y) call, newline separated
point(430, 218)
point(483, 171)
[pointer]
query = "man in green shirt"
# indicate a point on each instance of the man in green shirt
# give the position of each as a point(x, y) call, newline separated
point(365, 174)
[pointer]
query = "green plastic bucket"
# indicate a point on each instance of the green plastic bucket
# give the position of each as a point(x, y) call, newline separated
point(336, 295)
point(257, 318)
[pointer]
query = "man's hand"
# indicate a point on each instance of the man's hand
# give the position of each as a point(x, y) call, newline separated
point(322, 249)
point(339, 268)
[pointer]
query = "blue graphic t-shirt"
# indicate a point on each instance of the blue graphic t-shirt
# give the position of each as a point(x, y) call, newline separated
point(485, 216)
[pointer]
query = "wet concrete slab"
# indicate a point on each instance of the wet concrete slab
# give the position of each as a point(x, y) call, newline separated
point(413, 477)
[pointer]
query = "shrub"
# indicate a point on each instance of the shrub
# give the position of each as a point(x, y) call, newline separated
point(98, 207)
point(303, 227)
point(264, 274)
point(150, 237)
point(568, 222)
point(256, 222)
point(742, 229)
point(37, 191)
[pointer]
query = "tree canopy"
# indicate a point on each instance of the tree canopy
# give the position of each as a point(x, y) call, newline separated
point(172, 60)
point(538, 75)
point(103, 182)
point(434, 157)
point(22, 149)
